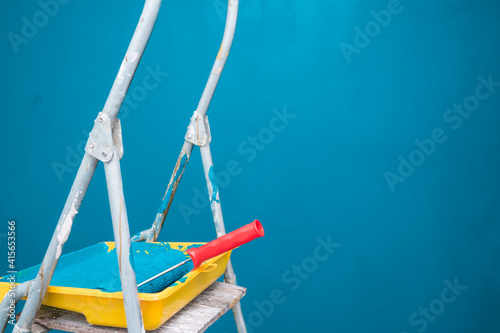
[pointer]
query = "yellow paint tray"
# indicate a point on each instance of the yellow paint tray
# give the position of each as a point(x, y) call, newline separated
point(106, 309)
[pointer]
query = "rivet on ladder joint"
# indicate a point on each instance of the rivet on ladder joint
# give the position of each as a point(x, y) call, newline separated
point(106, 152)
point(91, 145)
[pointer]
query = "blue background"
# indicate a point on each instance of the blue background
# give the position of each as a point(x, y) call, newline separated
point(321, 176)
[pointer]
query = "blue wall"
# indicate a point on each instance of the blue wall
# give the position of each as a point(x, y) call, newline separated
point(373, 156)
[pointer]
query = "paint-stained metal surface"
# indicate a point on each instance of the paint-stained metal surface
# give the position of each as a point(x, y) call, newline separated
point(220, 61)
point(151, 234)
point(198, 133)
point(122, 242)
point(105, 144)
point(110, 150)
point(38, 286)
point(131, 60)
point(13, 297)
point(215, 205)
point(105, 135)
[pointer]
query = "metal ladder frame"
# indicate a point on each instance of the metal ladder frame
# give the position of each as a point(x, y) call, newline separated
point(105, 145)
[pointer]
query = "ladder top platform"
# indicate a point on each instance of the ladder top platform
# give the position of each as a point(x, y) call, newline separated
point(195, 317)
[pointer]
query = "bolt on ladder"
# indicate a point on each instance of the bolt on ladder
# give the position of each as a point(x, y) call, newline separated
point(105, 145)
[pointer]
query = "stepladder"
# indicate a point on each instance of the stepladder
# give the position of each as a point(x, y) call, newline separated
point(105, 145)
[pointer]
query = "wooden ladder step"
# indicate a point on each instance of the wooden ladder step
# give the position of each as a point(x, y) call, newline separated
point(195, 317)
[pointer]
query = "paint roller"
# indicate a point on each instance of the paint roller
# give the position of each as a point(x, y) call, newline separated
point(197, 255)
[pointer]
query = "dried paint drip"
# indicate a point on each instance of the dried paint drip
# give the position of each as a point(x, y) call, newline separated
point(96, 267)
point(213, 183)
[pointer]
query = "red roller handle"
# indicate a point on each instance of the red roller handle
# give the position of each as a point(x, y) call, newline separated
point(227, 242)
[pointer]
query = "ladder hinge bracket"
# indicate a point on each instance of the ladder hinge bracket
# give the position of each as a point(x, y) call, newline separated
point(105, 138)
point(198, 131)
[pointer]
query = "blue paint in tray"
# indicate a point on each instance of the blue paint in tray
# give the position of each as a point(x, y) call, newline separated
point(96, 267)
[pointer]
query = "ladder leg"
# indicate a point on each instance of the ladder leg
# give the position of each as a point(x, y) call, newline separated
point(220, 61)
point(122, 242)
point(213, 194)
point(151, 234)
point(38, 286)
point(115, 99)
point(230, 277)
point(19, 292)
point(131, 60)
